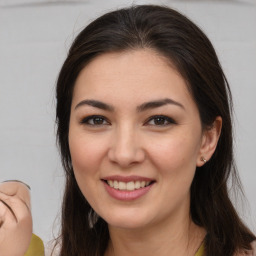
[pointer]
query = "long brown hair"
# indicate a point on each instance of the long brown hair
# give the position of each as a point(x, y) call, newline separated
point(179, 40)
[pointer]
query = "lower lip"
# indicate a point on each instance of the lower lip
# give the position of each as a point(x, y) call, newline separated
point(126, 195)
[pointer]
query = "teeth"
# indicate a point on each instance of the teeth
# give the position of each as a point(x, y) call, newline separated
point(130, 186)
point(137, 184)
point(116, 184)
point(122, 185)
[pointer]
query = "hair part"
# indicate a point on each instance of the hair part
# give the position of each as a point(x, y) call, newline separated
point(180, 41)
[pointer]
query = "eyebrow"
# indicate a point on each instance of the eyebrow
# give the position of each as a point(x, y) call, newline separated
point(143, 107)
point(157, 104)
point(96, 104)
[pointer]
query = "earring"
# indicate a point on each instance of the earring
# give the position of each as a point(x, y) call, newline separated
point(203, 159)
point(93, 218)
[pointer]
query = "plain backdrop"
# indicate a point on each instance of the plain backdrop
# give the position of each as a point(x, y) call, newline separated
point(35, 36)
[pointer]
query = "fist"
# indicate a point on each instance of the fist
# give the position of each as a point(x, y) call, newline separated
point(15, 218)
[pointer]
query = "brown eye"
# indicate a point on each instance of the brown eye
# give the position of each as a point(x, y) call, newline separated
point(160, 121)
point(95, 120)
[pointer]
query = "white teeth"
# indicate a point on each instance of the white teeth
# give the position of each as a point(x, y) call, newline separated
point(110, 183)
point(122, 185)
point(137, 184)
point(116, 185)
point(130, 186)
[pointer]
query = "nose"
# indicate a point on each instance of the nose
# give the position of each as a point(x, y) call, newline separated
point(125, 149)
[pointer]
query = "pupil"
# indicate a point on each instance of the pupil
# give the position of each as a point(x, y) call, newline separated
point(98, 120)
point(159, 121)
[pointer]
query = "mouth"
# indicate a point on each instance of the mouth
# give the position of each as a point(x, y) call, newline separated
point(128, 186)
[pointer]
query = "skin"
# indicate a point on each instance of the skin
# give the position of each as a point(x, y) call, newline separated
point(15, 219)
point(129, 140)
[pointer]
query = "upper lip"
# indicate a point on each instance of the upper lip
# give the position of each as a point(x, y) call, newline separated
point(126, 178)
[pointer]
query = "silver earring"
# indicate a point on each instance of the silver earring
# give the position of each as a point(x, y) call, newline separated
point(93, 218)
point(203, 159)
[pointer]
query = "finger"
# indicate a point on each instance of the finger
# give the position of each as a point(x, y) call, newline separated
point(15, 210)
point(15, 237)
point(10, 209)
point(15, 218)
point(18, 189)
point(18, 205)
point(19, 182)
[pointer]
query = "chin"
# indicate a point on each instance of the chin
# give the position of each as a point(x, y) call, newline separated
point(127, 224)
point(127, 220)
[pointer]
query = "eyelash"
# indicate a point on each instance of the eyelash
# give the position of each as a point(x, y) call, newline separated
point(93, 118)
point(161, 118)
point(165, 119)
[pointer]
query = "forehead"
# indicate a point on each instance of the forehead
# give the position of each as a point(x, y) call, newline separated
point(130, 75)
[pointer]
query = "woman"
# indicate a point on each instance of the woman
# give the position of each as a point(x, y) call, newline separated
point(145, 134)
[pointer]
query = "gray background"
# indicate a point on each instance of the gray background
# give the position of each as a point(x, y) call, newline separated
point(34, 38)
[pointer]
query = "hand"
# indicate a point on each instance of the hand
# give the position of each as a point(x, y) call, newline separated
point(15, 218)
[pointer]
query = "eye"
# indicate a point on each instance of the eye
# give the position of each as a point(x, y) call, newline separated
point(95, 120)
point(160, 121)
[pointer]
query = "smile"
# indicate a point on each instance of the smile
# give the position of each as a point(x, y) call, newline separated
point(127, 188)
point(130, 186)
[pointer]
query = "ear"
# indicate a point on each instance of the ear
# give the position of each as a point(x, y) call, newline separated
point(209, 142)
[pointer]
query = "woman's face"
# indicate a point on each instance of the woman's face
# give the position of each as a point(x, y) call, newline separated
point(135, 138)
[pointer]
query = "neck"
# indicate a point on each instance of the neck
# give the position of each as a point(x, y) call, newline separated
point(179, 237)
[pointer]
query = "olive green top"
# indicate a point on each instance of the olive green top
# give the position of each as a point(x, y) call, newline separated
point(200, 251)
point(36, 247)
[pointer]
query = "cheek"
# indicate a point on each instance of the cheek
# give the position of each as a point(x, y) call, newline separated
point(86, 156)
point(175, 160)
point(176, 152)
point(86, 151)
